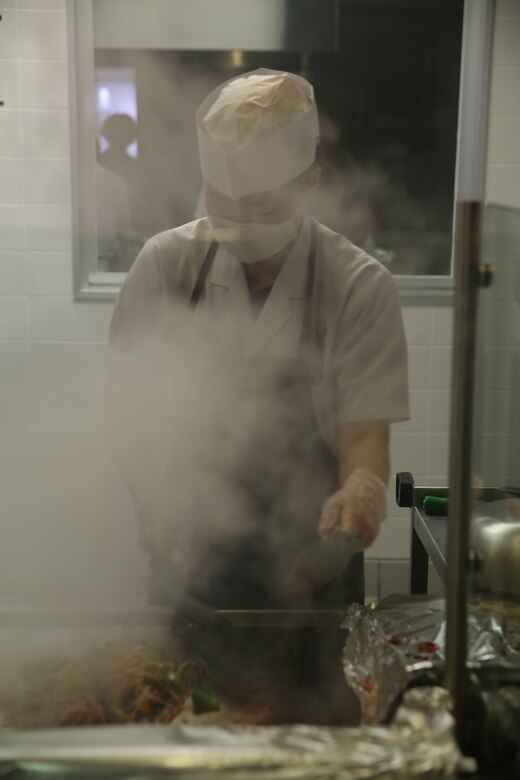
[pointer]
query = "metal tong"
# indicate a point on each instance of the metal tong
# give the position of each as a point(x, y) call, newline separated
point(320, 561)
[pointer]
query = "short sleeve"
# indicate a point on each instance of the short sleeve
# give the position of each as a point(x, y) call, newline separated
point(370, 355)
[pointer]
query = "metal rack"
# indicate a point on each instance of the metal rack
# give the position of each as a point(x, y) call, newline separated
point(429, 533)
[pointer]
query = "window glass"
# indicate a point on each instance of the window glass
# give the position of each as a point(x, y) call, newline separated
point(387, 88)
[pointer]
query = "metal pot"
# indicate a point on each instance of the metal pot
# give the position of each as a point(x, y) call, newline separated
point(495, 543)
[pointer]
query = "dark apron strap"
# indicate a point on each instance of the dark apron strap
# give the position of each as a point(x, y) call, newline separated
point(313, 327)
point(307, 326)
point(198, 290)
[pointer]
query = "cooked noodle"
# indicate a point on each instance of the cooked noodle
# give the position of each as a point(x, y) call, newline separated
point(108, 685)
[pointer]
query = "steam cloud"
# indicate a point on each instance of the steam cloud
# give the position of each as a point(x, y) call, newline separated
point(183, 425)
point(204, 449)
point(177, 418)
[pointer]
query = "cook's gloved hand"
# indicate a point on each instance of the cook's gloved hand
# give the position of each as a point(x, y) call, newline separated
point(358, 508)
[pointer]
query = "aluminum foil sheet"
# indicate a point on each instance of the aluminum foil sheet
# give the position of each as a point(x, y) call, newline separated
point(401, 639)
point(419, 744)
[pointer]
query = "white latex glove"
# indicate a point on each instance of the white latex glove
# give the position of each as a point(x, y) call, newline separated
point(358, 508)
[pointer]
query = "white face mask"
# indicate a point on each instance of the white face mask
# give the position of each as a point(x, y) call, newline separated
point(251, 242)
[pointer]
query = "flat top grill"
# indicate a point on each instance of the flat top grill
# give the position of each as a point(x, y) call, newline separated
point(286, 662)
point(162, 617)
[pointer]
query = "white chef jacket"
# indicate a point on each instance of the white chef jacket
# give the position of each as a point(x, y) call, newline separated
point(364, 362)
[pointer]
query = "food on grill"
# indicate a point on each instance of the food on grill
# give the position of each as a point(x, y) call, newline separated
point(268, 676)
point(427, 647)
point(367, 683)
point(204, 701)
point(139, 684)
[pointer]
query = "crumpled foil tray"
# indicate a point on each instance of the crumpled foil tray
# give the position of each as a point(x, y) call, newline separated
point(400, 640)
point(420, 744)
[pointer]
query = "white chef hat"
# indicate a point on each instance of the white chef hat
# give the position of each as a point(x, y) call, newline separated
point(257, 132)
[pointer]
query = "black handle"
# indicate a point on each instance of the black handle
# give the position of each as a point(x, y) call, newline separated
point(404, 488)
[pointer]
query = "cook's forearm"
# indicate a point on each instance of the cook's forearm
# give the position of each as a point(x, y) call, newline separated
point(364, 446)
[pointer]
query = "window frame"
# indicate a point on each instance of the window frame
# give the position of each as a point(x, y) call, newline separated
point(92, 284)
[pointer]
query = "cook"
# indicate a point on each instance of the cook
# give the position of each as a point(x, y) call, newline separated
point(311, 330)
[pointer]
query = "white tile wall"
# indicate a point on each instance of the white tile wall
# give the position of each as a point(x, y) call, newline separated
point(419, 367)
point(77, 363)
point(507, 31)
point(10, 132)
point(48, 227)
point(395, 537)
point(504, 97)
point(42, 36)
point(504, 139)
point(9, 35)
point(408, 452)
point(418, 422)
point(50, 319)
point(12, 227)
point(14, 362)
point(47, 181)
point(49, 273)
point(442, 326)
point(45, 133)
point(12, 272)
point(437, 454)
point(13, 480)
point(14, 409)
point(13, 318)
point(10, 180)
point(10, 83)
point(440, 368)
point(91, 321)
point(53, 350)
point(43, 84)
point(502, 181)
point(439, 411)
point(418, 325)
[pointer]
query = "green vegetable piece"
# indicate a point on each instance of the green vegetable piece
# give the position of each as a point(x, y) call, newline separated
point(204, 701)
point(435, 505)
point(190, 673)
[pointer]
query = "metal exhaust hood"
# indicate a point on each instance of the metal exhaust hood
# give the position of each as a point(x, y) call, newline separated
point(213, 25)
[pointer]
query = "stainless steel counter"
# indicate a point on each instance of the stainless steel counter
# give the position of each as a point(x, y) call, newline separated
point(429, 542)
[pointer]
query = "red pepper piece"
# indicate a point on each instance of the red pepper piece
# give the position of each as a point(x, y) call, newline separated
point(427, 647)
point(368, 684)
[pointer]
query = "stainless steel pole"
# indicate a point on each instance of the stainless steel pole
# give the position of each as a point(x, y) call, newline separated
point(467, 251)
